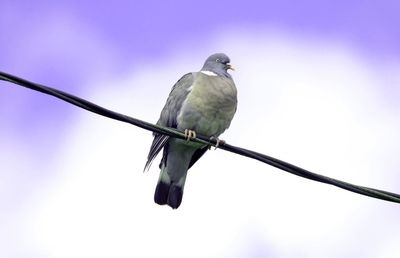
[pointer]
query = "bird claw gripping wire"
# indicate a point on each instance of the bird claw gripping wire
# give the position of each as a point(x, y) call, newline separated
point(218, 142)
point(190, 134)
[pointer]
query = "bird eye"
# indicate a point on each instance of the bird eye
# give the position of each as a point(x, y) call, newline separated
point(218, 60)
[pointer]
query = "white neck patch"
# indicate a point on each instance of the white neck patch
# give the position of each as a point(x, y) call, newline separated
point(209, 73)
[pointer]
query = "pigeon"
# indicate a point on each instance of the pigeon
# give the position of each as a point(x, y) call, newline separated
point(203, 103)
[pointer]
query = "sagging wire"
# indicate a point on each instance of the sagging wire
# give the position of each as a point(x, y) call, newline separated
point(82, 103)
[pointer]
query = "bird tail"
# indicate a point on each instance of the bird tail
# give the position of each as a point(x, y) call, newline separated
point(169, 192)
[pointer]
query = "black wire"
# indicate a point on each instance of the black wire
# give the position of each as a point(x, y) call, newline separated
point(82, 103)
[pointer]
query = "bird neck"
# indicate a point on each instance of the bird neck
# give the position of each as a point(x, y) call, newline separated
point(215, 72)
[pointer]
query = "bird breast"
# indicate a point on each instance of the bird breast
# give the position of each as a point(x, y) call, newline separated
point(210, 106)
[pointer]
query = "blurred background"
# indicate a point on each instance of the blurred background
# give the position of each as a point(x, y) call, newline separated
point(319, 87)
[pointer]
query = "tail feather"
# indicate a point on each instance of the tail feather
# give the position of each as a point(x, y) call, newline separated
point(171, 181)
point(170, 194)
point(168, 191)
point(175, 196)
point(161, 194)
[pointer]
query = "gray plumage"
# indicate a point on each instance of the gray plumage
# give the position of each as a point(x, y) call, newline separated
point(204, 102)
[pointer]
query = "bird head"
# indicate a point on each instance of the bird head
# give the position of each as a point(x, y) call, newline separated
point(218, 63)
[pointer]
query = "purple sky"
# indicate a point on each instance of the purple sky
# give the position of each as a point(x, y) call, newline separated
point(149, 29)
point(35, 44)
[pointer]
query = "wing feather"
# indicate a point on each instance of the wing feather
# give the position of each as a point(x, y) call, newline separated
point(169, 116)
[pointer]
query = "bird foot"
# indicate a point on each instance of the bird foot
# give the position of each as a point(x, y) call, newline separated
point(189, 134)
point(219, 142)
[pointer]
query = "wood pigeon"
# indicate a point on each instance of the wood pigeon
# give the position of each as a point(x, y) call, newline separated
point(201, 102)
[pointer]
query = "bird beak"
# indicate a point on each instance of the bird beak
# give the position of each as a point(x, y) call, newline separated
point(230, 67)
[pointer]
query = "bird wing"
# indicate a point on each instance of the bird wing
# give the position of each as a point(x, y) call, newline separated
point(169, 116)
